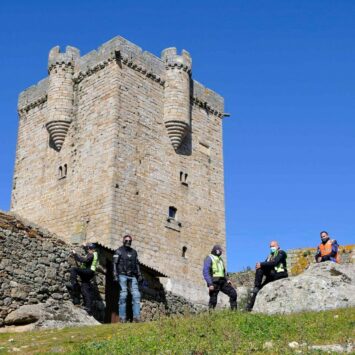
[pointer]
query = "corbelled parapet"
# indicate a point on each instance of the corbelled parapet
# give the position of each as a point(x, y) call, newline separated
point(177, 110)
point(60, 93)
point(172, 60)
point(67, 58)
point(130, 55)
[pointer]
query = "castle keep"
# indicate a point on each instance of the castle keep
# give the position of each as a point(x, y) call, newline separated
point(120, 141)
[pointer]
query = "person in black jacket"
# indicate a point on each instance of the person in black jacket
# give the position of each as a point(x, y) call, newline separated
point(126, 271)
point(273, 268)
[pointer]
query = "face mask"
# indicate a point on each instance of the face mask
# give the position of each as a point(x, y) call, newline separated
point(324, 239)
point(273, 249)
point(127, 243)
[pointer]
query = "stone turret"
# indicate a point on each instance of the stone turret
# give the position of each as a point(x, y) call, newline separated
point(177, 115)
point(60, 93)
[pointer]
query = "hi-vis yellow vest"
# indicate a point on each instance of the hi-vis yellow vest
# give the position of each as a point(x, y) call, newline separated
point(217, 266)
point(94, 263)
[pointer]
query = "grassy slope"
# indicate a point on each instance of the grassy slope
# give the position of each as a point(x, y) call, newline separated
point(219, 333)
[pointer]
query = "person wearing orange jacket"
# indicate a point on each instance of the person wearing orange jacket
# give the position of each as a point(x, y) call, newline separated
point(327, 249)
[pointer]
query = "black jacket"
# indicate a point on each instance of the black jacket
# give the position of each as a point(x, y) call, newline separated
point(85, 260)
point(125, 262)
point(279, 258)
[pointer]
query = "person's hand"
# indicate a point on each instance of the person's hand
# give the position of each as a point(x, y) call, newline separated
point(140, 279)
point(257, 266)
point(211, 288)
point(319, 259)
point(115, 279)
point(229, 282)
point(73, 252)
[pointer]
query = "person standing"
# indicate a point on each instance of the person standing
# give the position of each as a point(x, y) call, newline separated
point(86, 272)
point(126, 271)
point(273, 268)
point(327, 249)
point(215, 276)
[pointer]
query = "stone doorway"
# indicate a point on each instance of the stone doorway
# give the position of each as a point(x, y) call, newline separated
point(111, 295)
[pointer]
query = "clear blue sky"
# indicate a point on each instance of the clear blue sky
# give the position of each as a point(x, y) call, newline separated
point(286, 71)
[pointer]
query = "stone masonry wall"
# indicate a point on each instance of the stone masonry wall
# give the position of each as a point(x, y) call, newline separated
point(112, 164)
point(34, 268)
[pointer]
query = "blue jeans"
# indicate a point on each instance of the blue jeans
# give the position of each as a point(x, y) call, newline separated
point(136, 296)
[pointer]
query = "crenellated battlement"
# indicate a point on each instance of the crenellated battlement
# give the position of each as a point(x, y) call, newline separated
point(66, 59)
point(207, 99)
point(128, 54)
point(33, 96)
point(173, 60)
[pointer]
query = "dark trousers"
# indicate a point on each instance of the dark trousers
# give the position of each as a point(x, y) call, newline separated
point(86, 276)
point(270, 275)
point(221, 284)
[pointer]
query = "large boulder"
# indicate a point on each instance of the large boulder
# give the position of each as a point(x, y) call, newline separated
point(25, 315)
point(53, 314)
point(321, 287)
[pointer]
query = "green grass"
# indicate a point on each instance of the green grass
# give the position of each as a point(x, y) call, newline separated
point(221, 332)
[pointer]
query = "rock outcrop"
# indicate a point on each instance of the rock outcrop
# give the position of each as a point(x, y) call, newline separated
point(52, 314)
point(321, 287)
point(298, 260)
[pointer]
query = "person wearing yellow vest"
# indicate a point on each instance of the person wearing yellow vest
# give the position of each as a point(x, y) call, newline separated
point(215, 275)
point(327, 249)
point(273, 268)
point(86, 271)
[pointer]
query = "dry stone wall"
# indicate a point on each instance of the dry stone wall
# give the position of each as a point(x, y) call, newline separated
point(34, 268)
point(298, 260)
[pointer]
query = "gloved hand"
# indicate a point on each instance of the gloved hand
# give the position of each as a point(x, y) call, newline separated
point(140, 279)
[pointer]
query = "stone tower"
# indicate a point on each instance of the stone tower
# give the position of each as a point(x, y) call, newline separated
point(120, 141)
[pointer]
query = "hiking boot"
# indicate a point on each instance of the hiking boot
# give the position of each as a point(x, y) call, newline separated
point(69, 286)
point(122, 320)
point(136, 320)
point(255, 290)
point(252, 298)
point(88, 311)
point(248, 308)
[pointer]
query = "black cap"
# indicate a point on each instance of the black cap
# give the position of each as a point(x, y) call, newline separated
point(91, 246)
